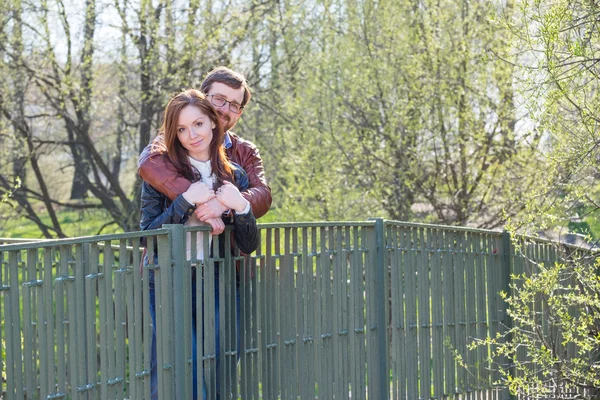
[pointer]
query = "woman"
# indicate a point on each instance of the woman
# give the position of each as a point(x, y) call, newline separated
point(193, 138)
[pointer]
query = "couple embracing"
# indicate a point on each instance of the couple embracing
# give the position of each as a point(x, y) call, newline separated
point(198, 171)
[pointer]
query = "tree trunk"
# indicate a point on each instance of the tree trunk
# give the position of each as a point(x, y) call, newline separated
point(79, 186)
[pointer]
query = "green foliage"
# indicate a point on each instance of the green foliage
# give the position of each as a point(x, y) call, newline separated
point(360, 108)
point(552, 348)
point(383, 108)
point(7, 194)
point(559, 42)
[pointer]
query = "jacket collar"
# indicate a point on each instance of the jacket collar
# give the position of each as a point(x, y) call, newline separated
point(227, 141)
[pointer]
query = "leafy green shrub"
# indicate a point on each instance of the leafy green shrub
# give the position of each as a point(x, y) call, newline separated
point(552, 349)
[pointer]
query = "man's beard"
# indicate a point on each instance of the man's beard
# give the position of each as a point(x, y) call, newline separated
point(225, 121)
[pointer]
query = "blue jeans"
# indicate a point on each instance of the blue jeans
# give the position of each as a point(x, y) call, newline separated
point(153, 356)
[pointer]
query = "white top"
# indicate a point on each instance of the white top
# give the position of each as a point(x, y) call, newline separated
point(208, 178)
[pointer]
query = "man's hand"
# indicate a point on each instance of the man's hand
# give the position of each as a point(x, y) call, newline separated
point(211, 209)
point(217, 224)
point(198, 193)
point(230, 196)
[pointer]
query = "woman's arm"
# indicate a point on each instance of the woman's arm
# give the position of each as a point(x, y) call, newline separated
point(154, 213)
point(245, 232)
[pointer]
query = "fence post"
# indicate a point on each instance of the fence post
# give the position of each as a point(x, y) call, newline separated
point(508, 270)
point(176, 251)
point(382, 378)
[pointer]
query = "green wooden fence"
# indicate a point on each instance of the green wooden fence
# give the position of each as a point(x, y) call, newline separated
point(361, 310)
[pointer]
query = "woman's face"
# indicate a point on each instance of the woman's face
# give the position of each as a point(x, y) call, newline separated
point(195, 132)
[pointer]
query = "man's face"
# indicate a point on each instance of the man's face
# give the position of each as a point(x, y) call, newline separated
point(221, 91)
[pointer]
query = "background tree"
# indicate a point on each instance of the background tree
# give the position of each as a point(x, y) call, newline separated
point(62, 95)
point(562, 46)
point(360, 107)
point(552, 347)
point(389, 108)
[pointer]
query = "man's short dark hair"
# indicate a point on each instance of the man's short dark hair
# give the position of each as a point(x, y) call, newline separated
point(228, 77)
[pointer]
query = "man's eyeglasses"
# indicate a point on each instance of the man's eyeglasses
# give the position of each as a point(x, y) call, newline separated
point(219, 101)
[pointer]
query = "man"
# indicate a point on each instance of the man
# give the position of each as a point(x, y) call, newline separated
point(229, 93)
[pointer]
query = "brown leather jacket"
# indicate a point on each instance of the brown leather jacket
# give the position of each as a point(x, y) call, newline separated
point(155, 169)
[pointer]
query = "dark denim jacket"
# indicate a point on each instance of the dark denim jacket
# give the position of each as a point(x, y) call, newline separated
point(158, 210)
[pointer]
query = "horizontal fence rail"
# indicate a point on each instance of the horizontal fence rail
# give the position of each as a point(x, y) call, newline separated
point(338, 310)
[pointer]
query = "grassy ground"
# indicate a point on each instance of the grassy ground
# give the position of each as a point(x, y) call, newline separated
point(73, 223)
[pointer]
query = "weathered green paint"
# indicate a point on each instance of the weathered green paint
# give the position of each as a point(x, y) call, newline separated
point(435, 246)
point(375, 308)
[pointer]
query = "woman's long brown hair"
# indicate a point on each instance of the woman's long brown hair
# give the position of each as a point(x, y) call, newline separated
point(177, 154)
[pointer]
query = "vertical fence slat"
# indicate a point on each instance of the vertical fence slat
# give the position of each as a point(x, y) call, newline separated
point(29, 325)
point(295, 307)
point(412, 361)
point(9, 350)
point(233, 293)
point(279, 364)
point(14, 357)
point(344, 251)
point(424, 319)
point(103, 321)
point(459, 304)
point(371, 317)
point(339, 255)
point(109, 322)
point(302, 300)
point(73, 349)
point(80, 271)
point(163, 285)
point(149, 324)
point(256, 264)
point(398, 290)
point(317, 248)
point(304, 346)
point(120, 323)
point(471, 313)
point(208, 294)
point(357, 320)
point(3, 290)
point(263, 312)
point(377, 306)
point(134, 323)
point(268, 305)
point(246, 333)
point(449, 315)
point(345, 320)
point(92, 323)
point(493, 279)
point(309, 314)
point(326, 315)
point(482, 324)
point(287, 295)
point(284, 318)
point(437, 308)
point(61, 319)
